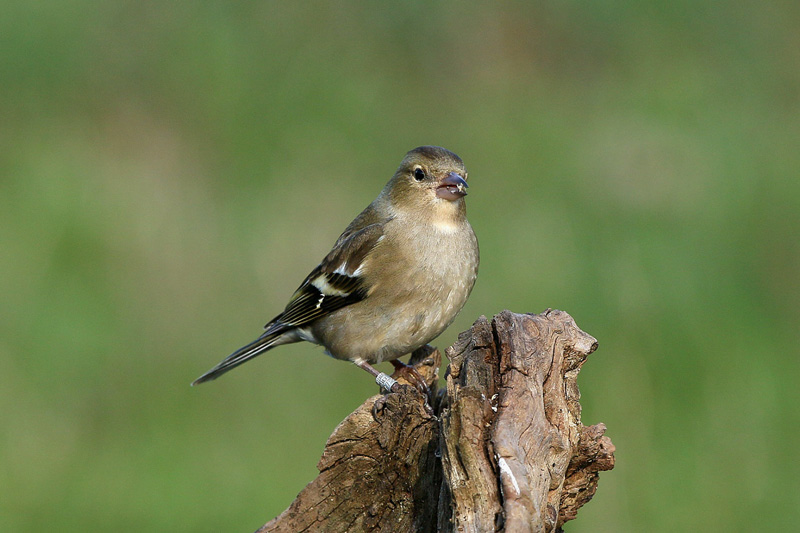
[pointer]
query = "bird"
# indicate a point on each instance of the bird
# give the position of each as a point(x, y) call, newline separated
point(394, 280)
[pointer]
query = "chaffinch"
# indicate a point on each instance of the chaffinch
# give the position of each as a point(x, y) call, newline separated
point(394, 280)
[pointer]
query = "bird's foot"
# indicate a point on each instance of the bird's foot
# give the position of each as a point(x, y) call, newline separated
point(410, 375)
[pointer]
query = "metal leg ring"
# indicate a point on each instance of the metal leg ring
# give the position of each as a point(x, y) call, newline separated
point(385, 382)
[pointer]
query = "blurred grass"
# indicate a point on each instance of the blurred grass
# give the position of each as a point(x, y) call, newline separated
point(167, 170)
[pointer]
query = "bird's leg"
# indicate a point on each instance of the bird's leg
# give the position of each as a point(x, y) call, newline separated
point(383, 380)
point(410, 374)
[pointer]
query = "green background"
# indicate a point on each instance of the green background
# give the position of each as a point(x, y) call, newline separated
point(169, 172)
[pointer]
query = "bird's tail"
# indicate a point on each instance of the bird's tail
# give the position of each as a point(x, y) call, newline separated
point(245, 353)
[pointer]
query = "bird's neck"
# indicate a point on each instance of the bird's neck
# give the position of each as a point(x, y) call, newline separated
point(444, 215)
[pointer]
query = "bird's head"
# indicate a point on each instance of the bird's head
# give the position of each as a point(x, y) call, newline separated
point(429, 177)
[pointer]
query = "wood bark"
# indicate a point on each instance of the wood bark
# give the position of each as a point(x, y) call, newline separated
point(501, 448)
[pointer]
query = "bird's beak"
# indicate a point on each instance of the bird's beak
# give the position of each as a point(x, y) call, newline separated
point(452, 187)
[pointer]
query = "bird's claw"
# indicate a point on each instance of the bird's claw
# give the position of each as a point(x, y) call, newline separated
point(410, 374)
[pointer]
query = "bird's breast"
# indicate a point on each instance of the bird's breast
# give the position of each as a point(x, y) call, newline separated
point(417, 285)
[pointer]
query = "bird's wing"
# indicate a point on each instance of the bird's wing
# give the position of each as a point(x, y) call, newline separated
point(335, 283)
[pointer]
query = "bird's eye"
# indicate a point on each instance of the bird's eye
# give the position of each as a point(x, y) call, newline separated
point(419, 174)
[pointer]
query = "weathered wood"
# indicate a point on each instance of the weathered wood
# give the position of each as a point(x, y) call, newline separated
point(502, 448)
point(378, 468)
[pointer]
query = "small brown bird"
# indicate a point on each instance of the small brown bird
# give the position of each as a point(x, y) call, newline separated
point(394, 280)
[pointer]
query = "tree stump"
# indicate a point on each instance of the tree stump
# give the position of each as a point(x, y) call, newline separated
point(502, 448)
